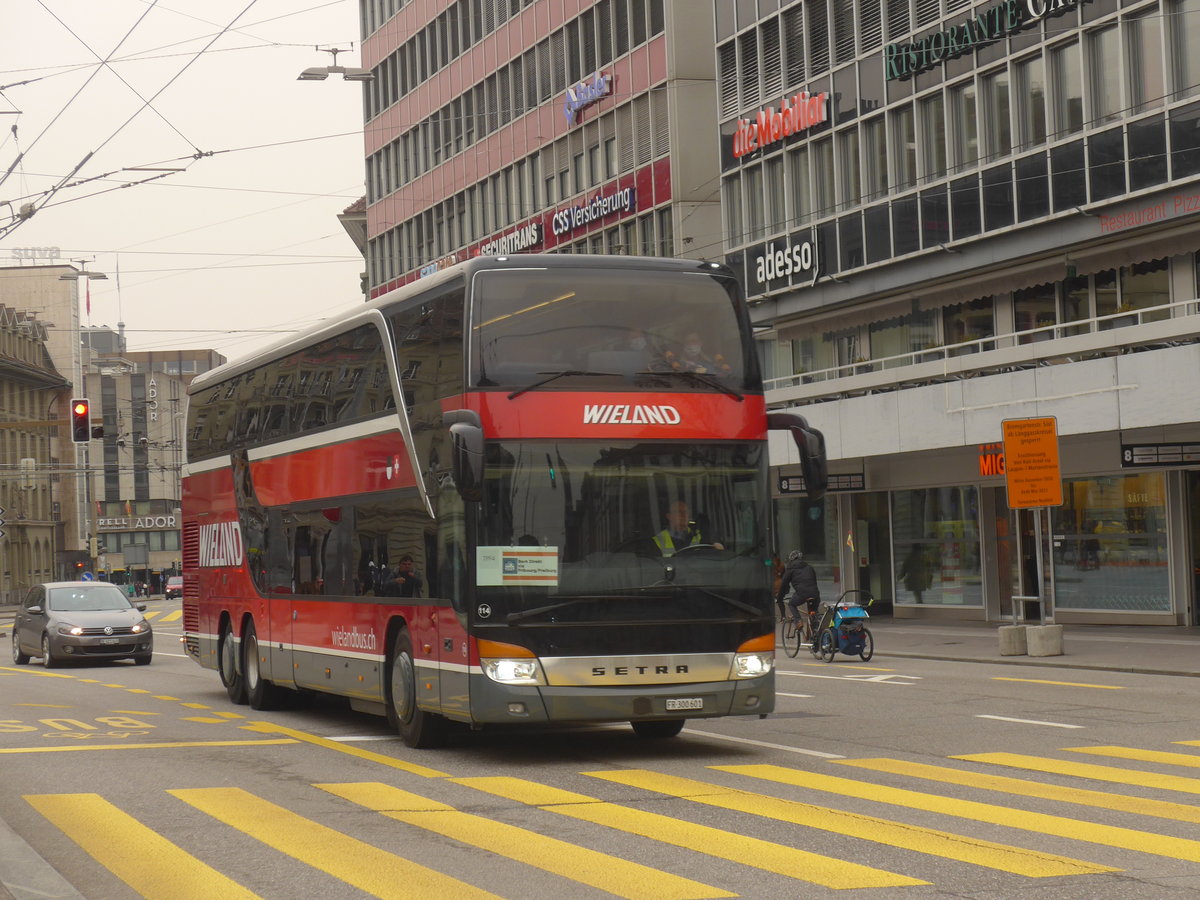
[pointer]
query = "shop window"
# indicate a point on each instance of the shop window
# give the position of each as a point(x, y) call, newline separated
point(1034, 308)
point(1033, 187)
point(964, 207)
point(935, 547)
point(965, 323)
point(935, 217)
point(1067, 176)
point(1106, 164)
point(1111, 544)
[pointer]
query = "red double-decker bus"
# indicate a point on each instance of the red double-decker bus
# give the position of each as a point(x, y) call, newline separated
point(527, 489)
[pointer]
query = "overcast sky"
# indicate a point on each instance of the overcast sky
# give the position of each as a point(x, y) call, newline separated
point(245, 239)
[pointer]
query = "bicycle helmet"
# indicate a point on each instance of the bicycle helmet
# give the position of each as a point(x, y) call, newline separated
point(795, 555)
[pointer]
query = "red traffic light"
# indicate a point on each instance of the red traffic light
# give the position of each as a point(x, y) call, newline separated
point(81, 420)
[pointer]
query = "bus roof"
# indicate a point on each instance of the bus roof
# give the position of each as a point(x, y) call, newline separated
point(362, 312)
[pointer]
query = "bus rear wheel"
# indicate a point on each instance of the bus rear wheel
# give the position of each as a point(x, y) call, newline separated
point(418, 729)
point(227, 666)
point(260, 692)
point(655, 731)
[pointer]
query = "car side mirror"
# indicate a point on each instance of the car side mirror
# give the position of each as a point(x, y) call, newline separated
point(34, 610)
point(141, 607)
point(811, 444)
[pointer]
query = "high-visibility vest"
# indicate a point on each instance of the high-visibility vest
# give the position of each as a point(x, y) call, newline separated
point(667, 546)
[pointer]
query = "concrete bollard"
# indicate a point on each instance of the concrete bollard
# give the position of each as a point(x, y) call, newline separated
point(1045, 640)
point(1012, 640)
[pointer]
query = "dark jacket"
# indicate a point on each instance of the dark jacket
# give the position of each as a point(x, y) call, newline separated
point(801, 576)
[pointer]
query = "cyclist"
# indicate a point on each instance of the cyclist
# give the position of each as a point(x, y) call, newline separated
point(801, 579)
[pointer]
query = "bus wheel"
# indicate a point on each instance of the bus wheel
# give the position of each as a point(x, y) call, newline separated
point(227, 666)
point(261, 693)
point(653, 731)
point(417, 728)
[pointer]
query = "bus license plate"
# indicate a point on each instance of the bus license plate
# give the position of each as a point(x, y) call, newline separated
point(686, 703)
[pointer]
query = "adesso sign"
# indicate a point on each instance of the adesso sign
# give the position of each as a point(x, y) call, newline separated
point(781, 263)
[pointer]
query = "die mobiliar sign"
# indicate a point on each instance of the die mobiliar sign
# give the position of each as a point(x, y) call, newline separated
point(985, 27)
point(803, 111)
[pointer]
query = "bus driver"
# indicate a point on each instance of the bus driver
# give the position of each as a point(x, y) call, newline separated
point(681, 531)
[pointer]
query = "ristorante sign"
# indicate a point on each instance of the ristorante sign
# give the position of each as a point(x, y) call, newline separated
point(985, 27)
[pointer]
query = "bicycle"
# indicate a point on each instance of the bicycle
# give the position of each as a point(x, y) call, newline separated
point(797, 633)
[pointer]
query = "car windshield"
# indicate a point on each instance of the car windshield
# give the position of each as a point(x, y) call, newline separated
point(87, 599)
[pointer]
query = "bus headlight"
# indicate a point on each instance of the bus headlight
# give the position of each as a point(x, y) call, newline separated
point(755, 657)
point(509, 663)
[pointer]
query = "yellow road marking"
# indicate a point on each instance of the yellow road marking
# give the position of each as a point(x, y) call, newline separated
point(599, 870)
point(197, 706)
point(165, 697)
point(1102, 687)
point(1031, 863)
point(171, 617)
point(230, 715)
point(137, 690)
point(1189, 760)
point(1085, 770)
point(136, 712)
point(304, 737)
point(788, 861)
point(205, 720)
point(139, 856)
point(48, 705)
point(37, 673)
point(174, 745)
point(1059, 826)
point(1162, 809)
point(355, 862)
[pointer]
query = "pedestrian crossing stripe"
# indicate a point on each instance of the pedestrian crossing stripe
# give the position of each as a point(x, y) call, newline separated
point(593, 868)
point(355, 862)
point(1160, 757)
point(1111, 774)
point(1161, 809)
point(1058, 826)
point(1031, 863)
point(147, 862)
point(788, 861)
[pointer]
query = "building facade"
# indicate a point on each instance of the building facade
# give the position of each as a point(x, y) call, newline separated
point(949, 215)
point(502, 126)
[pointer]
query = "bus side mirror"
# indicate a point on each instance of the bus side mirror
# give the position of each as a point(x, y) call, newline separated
point(811, 444)
point(466, 436)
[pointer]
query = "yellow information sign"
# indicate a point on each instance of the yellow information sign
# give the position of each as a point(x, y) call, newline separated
point(1031, 463)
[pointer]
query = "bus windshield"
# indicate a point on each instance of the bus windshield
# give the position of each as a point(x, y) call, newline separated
point(604, 328)
point(573, 531)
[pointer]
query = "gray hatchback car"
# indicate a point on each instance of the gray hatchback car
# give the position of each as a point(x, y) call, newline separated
point(63, 620)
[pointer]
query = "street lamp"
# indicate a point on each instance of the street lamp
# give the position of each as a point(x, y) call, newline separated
point(320, 73)
point(83, 272)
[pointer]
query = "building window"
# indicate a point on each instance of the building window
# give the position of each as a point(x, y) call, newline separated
point(1029, 76)
point(753, 181)
point(1183, 22)
point(1068, 89)
point(1146, 84)
point(734, 223)
point(874, 159)
point(1035, 307)
point(996, 113)
point(933, 137)
point(851, 174)
point(822, 177)
point(800, 191)
point(964, 129)
point(776, 197)
point(935, 534)
point(904, 147)
point(1104, 69)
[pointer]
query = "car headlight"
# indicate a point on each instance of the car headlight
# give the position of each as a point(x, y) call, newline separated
point(74, 630)
point(509, 663)
point(755, 657)
point(141, 627)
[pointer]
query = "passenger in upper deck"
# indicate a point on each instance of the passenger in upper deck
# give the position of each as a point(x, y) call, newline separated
point(694, 358)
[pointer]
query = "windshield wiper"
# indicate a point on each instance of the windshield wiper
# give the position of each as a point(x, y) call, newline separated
point(703, 378)
point(551, 376)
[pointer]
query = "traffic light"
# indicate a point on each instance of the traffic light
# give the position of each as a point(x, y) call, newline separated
point(81, 421)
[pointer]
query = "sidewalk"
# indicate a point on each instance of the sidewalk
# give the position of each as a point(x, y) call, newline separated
point(1145, 649)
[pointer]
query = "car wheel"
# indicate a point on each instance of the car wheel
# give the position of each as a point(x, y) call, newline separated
point(657, 731)
point(48, 659)
point(143, 660)
point(417, 728)
point(260, 692)
point(19, 656)
point(228, 668)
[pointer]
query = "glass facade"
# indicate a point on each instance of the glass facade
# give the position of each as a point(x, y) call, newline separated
point(935, 542)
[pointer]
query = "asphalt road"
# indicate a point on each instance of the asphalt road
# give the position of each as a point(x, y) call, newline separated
point(897, 777)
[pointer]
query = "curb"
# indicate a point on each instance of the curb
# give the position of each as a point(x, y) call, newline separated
point(1043, 663)
point(26, 875)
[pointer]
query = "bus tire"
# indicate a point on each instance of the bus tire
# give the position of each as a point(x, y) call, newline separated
point(657, 731)
point(418, 729)
point(260, 692)
point(228, 666)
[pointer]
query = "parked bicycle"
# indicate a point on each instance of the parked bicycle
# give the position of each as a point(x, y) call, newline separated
point(843, 628)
